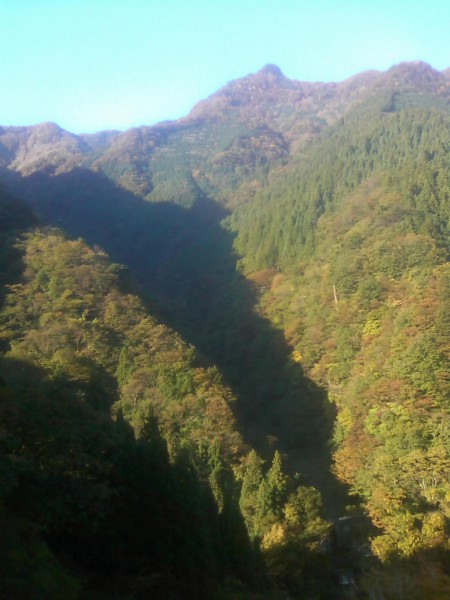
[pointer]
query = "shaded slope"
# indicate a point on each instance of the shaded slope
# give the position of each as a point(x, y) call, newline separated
point(85, 507)
point(185, 263)
point(80, 347)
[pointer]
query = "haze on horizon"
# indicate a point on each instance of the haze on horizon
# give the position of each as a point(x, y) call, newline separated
point(96, 65)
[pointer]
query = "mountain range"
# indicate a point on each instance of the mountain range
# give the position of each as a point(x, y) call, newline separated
point(276, 335)
point(250, 125)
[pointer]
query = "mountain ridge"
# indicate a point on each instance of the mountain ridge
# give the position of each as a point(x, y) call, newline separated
point(292, 109)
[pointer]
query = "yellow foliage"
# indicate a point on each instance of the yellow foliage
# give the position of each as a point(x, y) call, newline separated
point(276, 536)
point(402, 536)
point(372, 326)
point(297, 356)
point(433, 529)
point(291, 514)
point(394, 302)
point(345, 418)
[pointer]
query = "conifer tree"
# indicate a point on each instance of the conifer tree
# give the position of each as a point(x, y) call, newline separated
point(251, 482)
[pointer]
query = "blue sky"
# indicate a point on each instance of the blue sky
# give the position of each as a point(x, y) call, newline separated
point(90, 65)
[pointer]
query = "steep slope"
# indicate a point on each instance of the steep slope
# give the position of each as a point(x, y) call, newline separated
point(367, 315)
point(78, 493)
point(112, 512)
point(340, 199)
point(232, 139)
point(405, 115)
point(351, 249)
point(14, 214)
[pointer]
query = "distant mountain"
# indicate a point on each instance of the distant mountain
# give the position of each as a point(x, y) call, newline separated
point(41, 147)
point(230, 141)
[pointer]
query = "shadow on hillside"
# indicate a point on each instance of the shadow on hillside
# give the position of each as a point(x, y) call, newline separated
point(14, 215)
point(184, 263)
point(107, 506)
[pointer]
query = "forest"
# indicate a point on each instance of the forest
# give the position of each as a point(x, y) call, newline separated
point(225, 356)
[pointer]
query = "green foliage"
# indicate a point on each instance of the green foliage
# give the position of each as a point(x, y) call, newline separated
point(91, 493)
point(287, 520)
point(357, 231)
point(272, 491)
point(347, 249)
point(251, 482)
point(279, 226)
point(380, 277)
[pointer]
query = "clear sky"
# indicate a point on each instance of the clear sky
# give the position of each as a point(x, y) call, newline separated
point(90, 65)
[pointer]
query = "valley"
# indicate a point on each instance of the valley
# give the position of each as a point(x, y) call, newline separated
point(250, 306)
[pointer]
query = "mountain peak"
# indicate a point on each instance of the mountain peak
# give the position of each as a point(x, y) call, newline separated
point(416, 72)
point(48, 131)
point(270, 69)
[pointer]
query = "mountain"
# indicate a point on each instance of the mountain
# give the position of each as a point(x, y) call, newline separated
point(351, 243)
point(236, 135)
point(296, 237)
point(46, 146)
point(123, 472)
point(229, 143)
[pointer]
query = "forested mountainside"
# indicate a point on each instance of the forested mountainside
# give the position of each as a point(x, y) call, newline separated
point(123, 472)
point(296, 236)
point(230, 141)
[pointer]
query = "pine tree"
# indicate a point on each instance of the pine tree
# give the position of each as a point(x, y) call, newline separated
point(251, 482)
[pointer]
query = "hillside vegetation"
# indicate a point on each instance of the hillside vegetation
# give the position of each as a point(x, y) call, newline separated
point(359, 235)
point(290, 244)
point(123, 471)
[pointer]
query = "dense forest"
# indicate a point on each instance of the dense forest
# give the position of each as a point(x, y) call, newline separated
point(225, 357)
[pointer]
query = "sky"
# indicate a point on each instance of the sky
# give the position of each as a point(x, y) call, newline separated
point(91, 65)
